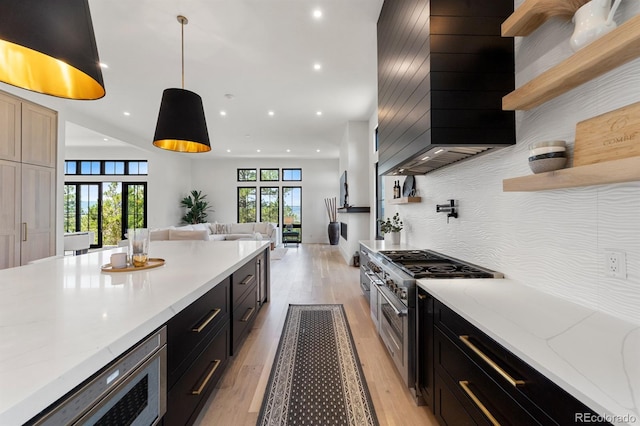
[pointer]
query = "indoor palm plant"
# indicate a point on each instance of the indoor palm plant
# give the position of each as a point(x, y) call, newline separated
point(196, 206)
point(391, 228)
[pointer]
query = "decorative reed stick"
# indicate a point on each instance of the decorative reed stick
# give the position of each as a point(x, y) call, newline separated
point(332, 211)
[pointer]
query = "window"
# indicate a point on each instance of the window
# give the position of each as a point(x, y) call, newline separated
point(247, 175)
point(247, 204)
point(292, 208)
point(114, 167)
point(100, 207)
point(292, 174)
point(269, 205)
point(272, 175)
point(105, 167)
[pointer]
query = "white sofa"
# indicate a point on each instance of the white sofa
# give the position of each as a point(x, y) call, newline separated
point(217, 231)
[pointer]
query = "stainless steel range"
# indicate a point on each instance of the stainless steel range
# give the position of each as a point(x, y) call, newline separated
point(392, 295)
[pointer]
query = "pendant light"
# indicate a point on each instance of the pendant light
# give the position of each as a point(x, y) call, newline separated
point(181, 124)
point(49, 47)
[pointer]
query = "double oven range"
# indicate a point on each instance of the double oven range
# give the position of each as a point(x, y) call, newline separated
point(388, 280)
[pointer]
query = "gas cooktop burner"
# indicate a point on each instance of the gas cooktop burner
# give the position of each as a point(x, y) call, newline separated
point(429, 264)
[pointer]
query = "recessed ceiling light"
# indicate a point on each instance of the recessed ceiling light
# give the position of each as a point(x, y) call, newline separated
point(317, 67)
point(318, 112)
point(317, 13)
point(425, 158)
point(288, 150)
point(257, 150)
point(439, 151)
point(105, 139)
point(103, 65)
point(317, 150)
point(223, 113)
point(228, 150)
point(127, 113)
point(271, 113)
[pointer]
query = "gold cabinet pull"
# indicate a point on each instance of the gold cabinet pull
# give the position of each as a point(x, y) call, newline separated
point(464, 384)
point(247, 280)
point(248, 314)
point(215, 364)
point(492, 363)
point(206, 321)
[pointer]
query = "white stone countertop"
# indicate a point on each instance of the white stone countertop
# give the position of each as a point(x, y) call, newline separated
point(593, 356)
point(61, 320)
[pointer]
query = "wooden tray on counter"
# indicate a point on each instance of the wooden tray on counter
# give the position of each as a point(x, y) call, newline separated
point(153, 262)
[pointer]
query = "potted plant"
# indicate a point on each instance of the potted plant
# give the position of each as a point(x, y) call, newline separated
point(196, 206)
point(391, 228)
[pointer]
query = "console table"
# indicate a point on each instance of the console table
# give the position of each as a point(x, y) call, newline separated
point(290, 237)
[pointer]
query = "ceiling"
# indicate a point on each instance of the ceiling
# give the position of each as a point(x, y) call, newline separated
point(243, 57)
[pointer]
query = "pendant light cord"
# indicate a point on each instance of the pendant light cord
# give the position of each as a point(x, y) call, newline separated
point(183, 20)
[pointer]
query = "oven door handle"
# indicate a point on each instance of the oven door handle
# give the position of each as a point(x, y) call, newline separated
point(396, 310)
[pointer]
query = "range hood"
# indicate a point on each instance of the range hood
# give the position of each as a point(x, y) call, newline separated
point(443, 69)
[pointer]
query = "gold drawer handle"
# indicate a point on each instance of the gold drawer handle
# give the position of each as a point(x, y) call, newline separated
point(422, 296)
point(248, 315)
point(492, 363)
point(247, 280)
point(203, 324)
point(205, 382)
point(464, 384)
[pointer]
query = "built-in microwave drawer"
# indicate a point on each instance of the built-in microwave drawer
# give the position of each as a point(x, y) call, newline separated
point(541, 397)
point(193, 327)
point(190, 393)
point(481, 397)
point(243, 280)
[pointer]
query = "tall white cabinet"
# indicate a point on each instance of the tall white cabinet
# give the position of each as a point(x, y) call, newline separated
point(28, 143)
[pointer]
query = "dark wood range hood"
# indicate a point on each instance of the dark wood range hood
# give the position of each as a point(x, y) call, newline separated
point(443, 69)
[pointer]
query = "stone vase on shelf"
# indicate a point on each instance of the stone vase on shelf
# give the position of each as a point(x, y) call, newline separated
point(334, 233)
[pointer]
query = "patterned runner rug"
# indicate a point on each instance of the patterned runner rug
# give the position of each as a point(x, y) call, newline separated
point(316, 377)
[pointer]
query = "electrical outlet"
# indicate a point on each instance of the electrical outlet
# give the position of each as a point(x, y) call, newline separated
point(615, 264)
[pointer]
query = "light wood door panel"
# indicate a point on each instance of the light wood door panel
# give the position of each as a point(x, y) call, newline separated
point(10, 111)
point(39, 135)
point(10, 193)
point(38, 212)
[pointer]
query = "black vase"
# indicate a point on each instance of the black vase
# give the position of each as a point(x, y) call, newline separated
point(334, 233)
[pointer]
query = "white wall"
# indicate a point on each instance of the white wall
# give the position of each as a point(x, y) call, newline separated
point(552, 240)
point(354, 159)
point(320, 180)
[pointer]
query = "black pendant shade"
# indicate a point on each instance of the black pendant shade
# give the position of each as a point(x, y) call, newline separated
point(181, 124)
point(49, 47)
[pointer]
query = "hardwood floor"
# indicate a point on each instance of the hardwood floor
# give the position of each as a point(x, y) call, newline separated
point(310, 274)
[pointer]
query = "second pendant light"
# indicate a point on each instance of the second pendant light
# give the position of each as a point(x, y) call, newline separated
point(181, 122)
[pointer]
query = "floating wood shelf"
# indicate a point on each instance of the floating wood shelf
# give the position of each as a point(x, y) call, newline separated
point(405, 200)
point(533, 13)
point(606, 53)
point(616, 171)
point(352, 209)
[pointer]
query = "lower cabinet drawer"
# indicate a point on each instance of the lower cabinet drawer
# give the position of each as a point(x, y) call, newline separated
point(186, 398)
point(484, 401)
point(243, 315)
point(447, 409)
point(194, 327)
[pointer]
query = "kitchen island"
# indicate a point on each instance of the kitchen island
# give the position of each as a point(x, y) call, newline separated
point(62, 320)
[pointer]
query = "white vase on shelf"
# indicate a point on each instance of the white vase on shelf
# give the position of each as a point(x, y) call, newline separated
point(593, 20)
point(392, 238)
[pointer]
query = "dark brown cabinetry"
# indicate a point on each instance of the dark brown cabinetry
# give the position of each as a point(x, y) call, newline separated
point(443, 69)
point(244, 290)
point(476, 381)
point(197, 351)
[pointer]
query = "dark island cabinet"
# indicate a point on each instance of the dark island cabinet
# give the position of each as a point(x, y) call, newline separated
point(244, 291)
point(467, 378)
point(203, 336)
